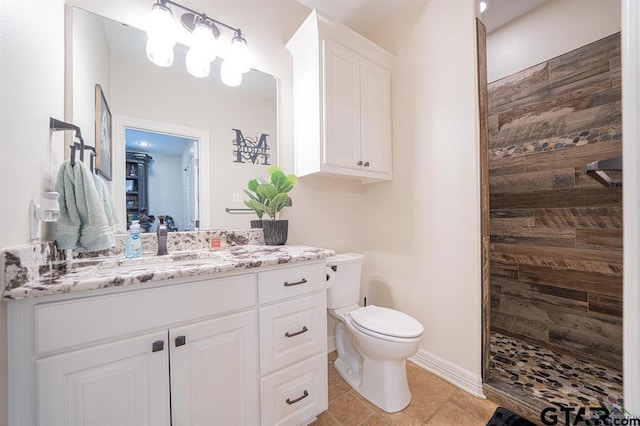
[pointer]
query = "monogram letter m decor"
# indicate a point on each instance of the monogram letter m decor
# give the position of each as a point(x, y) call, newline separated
point(251, 149)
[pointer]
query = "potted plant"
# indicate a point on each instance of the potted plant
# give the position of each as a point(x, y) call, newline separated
point(255, 201)
point(270, 196)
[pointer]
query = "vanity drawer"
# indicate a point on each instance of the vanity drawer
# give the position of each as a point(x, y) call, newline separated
point(290, 282)
point(81, 321)
point(291, 331)
point(295, 394)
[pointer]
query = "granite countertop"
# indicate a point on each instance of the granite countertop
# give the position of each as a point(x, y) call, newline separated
point(84, 274)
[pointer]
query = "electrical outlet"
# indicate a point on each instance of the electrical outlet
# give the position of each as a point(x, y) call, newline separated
point(236, 197)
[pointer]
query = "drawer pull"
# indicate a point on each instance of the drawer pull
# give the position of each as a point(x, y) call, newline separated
point(181, 340)
point(288, 284)
point(157, 346)
point(304, 330)
point(359, 163)
point(300, 398)
point(366, 164)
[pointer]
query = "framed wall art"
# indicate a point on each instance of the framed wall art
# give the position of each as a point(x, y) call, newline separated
point(104, 149)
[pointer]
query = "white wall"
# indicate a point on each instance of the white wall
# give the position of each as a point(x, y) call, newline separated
point(165, 175)
point(422, 230)
point(91, 58)
point(554, 28)
point(31, 90)
point(631, 189)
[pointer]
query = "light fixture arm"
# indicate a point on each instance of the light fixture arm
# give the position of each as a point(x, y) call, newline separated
point(202, 16)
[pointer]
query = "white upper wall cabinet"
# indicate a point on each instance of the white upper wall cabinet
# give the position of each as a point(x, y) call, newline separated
point(342, 102)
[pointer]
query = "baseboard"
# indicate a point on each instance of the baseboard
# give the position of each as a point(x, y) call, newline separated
point(452, 373)
point(331, 343)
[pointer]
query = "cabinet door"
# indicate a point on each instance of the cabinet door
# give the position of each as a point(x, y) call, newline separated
point(120, 383)
point(341, 113)
point(214, 372)
point(375, 107)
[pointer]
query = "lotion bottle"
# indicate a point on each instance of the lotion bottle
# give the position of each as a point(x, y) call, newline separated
point(133, 248)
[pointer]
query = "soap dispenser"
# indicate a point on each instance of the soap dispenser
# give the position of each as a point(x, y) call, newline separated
point(133, 248)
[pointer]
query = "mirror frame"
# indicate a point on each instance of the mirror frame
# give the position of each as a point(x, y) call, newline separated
point(122, 122)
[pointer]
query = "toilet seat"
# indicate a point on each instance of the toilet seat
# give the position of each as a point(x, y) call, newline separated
point(386, 323)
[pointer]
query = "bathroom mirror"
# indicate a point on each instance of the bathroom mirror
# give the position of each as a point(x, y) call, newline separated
point(235, 127)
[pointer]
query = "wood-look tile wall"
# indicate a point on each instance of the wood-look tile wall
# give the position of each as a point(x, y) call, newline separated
point(556, 234)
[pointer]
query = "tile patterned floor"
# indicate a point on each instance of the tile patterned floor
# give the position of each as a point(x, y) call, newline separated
point(434, 402)
point(553, 377)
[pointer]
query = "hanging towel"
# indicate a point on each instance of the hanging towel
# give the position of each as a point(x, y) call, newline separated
point(107, 203)
point(83, 223)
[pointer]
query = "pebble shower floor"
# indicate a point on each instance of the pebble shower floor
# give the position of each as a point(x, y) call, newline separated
point(552, 377)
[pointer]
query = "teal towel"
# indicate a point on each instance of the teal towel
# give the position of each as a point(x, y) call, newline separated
point(107, 203)
point(83, 224)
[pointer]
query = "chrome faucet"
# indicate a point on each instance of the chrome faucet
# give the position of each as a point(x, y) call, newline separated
point(161, 231)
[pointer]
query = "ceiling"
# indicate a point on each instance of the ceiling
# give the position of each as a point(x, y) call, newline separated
point(502, 12)
point(363, 15)
point(155, 143)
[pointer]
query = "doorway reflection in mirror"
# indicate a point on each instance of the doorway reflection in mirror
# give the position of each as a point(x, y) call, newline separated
point(161, 179)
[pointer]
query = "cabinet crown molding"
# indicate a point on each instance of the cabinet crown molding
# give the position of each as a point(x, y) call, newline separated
point(318, 24)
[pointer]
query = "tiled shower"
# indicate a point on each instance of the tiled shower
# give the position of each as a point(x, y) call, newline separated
point(556, 231)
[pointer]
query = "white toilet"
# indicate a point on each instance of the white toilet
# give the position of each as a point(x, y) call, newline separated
point(372, 342)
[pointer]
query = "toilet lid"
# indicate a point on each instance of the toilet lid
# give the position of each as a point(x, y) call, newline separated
point(388, 322)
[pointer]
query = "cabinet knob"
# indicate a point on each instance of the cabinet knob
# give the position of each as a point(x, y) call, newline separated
point(157, 346)
point(359, 163)
point(300, 398)
point(304, 330)
point(366, 164)
point(181, 341)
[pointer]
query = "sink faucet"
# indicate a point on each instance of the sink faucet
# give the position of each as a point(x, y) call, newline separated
point(161, 231)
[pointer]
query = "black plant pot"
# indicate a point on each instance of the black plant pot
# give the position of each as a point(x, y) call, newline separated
point(275, 232)
point(256, 223)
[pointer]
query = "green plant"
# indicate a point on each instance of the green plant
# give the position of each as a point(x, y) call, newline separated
point(255, 201)
point(270, 196)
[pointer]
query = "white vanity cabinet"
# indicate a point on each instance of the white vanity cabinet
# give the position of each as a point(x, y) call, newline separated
point(293, 344)
point(342, 102)
point(184, 352)
point(122, 382)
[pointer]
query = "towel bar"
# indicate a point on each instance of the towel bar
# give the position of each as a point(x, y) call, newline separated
point(238, 211)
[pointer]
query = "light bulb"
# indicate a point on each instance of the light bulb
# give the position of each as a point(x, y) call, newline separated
point(198, 63)
point(230, 74)
point(159, 53)
point(160, 22)
point(202, 39)
point(202, 51)
point(239, 53)
point(161, 36)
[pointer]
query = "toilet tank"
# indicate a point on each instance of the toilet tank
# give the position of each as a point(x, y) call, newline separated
point(345, 290)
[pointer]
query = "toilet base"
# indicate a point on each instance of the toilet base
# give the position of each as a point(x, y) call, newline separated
point(393, 396)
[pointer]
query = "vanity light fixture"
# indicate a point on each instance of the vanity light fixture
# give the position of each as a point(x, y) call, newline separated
point(203, 41)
